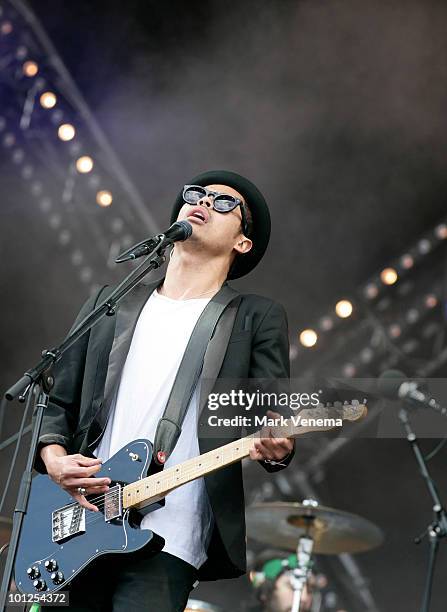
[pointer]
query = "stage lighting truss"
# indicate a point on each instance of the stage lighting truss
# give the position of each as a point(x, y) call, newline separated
point(397, 316)
point(61, 153)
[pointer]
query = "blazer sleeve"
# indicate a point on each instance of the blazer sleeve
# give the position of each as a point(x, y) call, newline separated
point(61, 417)
point(270, 358)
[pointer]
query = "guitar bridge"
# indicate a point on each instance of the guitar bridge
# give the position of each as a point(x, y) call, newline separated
point(67, 522)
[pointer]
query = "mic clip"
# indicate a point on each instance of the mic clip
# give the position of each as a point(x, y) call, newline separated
point(141, 249)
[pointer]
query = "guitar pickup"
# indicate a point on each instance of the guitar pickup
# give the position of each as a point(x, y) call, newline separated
point(67, 522)
point(113, 507)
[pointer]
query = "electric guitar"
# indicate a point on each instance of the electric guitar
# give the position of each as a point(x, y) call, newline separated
point(60, 538)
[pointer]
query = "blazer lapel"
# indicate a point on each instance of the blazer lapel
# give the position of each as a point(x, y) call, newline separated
point(127, 316)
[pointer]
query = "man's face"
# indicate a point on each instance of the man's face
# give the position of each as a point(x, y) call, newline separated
point(282, 596)
point(218, 233)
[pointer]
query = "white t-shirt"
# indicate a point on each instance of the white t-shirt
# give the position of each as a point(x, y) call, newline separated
point(186, 520)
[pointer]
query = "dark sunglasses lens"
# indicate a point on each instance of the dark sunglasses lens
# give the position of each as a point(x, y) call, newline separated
point(193, 194)
point(224, 203)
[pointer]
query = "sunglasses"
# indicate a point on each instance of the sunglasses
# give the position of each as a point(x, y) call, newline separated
point(222, 202)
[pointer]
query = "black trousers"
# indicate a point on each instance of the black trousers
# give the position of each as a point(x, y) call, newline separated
point(136, 582)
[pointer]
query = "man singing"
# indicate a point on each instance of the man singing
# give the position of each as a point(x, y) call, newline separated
point(108, 393)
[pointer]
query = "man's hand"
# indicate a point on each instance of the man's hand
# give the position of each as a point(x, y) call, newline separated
point(74, 471)
point(269, 447)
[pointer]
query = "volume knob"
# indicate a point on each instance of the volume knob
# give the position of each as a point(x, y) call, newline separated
point(57, 577)
point(33, 572)
point(51, 565)
point(40, 585)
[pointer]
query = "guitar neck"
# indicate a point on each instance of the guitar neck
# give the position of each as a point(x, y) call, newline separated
point(155, 487)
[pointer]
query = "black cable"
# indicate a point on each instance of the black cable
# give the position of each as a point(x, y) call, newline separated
point(435, 451)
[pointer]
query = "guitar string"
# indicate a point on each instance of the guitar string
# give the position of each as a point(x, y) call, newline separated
point(111, 496)
point(185, 473)
point(166, 480)
point(189, 473)
point(186, 470)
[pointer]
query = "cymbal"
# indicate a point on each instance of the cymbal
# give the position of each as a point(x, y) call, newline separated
point(281, 524)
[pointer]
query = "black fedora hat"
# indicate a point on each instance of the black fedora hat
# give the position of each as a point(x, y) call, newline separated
point(260, 232)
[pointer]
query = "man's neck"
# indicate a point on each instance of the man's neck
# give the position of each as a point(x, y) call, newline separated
point(191, 275)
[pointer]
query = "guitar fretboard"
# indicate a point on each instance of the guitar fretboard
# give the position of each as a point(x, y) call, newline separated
point(149, 489)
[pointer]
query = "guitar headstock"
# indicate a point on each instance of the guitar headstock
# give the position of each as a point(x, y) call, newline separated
point(347, 411)
point(324, 417)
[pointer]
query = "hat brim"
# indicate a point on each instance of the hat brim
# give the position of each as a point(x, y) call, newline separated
point(260, 234)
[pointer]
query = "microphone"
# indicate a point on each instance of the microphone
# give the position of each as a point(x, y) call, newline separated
point(394, 385)
point(178, 232)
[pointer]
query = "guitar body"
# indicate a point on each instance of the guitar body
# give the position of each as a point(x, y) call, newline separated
point(73, 538)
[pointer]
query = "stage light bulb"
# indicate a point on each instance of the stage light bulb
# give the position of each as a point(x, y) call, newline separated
point(371, 291)
point(66, 132)
point(308, 338)
point(326, 324)
point(431, 301)
point(388, 276)
point(30, 68)
point(395, 330)
point(104, 198)
point(84, 164)
point(349, 370)
point(407, 261)
point(441, 231)
point(6, 28)
point(48, 99)
point(424, 246)
point(343, 308)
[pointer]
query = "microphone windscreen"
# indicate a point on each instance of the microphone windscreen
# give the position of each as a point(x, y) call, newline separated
point(187, 228)
point(389, 383)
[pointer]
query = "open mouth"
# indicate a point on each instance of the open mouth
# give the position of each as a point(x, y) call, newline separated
point(199, 213)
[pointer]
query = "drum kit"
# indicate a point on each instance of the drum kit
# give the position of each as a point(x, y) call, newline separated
point(305, 529)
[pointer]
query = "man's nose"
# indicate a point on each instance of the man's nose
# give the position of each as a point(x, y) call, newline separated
point(205, 201)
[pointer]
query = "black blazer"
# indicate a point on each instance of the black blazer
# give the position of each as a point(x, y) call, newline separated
point(87, 375)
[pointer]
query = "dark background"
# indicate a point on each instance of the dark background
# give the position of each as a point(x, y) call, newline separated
point(337, 111)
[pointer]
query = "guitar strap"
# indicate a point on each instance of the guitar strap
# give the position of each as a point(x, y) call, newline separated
point(170, 425)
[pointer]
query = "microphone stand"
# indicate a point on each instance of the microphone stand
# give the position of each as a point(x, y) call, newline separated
point(438, 528)
point(38, 381)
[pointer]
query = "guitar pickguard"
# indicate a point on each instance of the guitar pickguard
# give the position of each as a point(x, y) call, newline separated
point(60, 538)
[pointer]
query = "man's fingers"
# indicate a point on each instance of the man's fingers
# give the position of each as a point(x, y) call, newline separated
point(86, 482)
point(84, 502)
point(87, 461)
point(273, 449)
point(262, 451)
point(77, 471)
point(96, 490)
point(255, 455)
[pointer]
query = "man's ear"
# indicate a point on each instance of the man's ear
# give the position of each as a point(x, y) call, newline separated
point(243, 245)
